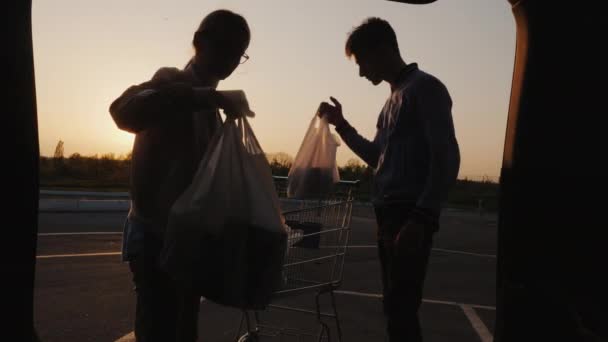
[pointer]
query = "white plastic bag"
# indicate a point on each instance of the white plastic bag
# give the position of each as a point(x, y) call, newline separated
point(314, 170)
point(225, 233)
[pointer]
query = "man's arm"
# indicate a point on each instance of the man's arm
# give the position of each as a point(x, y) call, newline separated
point(436, 113)
point(147, 104)
point(368, 151)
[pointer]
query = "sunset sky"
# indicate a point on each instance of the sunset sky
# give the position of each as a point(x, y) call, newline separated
point(88, 52)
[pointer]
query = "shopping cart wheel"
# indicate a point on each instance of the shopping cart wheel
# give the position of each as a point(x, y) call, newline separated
point(249, 337)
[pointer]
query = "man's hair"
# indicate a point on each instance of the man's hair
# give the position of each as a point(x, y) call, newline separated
point(221, 22)
point(373, 32)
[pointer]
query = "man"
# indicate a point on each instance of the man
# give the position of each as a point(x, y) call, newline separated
point(416, 159)
point(173, 117)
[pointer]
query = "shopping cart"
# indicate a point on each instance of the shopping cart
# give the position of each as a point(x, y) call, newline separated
point(318, 240)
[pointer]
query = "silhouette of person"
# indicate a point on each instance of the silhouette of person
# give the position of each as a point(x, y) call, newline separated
point(416, 159)
point(173, 116)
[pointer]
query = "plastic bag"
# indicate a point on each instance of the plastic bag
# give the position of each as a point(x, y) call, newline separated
point(226, 234)
point(314, 170)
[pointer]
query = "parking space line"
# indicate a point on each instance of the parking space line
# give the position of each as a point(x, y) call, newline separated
point(130, 337)
point(80, 233)
point(365, 246)
point(464, 253)
point(434, 249)
point(477, 323)
point(54, 256)
point(430, 301)
point(468, 309)
point(452, 251)
point(359, 294)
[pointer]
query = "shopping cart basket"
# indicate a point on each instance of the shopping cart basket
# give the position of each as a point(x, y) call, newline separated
point(318, 241)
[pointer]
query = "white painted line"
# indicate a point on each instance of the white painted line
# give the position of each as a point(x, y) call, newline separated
point(85, 193)
point(477, 323)
point(434, 249)
point(354, 246)
point(80, 233)
point(464, 253)
point(442, 302)
point(484, 307)
point(430, 301)
point(359, 294)
point(130, 337)
point(75, 255)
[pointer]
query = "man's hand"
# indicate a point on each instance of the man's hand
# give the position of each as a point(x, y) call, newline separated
point(410, 238)
point(333, 113)
point(209, 96)
point(231, 108)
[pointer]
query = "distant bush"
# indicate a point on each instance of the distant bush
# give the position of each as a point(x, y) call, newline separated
point(111, 172)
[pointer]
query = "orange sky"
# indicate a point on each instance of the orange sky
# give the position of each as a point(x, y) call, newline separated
point(87, 53)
